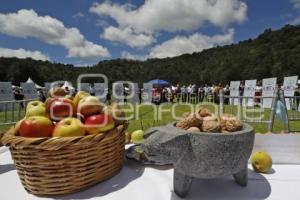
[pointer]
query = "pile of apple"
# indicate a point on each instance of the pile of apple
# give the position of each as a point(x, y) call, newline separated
point(66, 117)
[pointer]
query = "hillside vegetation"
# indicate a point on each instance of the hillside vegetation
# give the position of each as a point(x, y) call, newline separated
point(271, 54)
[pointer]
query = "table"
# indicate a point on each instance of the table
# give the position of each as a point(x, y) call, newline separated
point(138, 182)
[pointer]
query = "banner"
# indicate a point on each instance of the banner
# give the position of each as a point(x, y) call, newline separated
point(6, 94)
point(268, 90)
point(101, 91)
point(118, 92)
point(29, 91)
point(249, 91)
point(84, 87)
point(47, 87)
point(234, 92)
point(289, 85)
point(134, 90)
point(147, 93)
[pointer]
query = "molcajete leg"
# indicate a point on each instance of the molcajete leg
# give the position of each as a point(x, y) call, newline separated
point(241, 177)
point(181, 183)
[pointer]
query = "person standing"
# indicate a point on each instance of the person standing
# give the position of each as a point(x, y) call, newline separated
point(205, 91)
point(41, 95)
point(19, 96)
point(297, 95)
point(183, 93)
point(108, 97)
point(92, 90)
point(226, 94)
point(140, 95)
point(216, 93)
point(201, 93)
point(178, 93)
point(241, 88)
point(258, 93)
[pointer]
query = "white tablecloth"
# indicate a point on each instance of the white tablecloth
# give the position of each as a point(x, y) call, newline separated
point(137, 182)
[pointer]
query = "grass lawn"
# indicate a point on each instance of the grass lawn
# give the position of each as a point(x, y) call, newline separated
point(146, 120)
point(143, 117)
point(11, 116)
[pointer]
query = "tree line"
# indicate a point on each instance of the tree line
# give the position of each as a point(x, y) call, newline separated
point(274, 53)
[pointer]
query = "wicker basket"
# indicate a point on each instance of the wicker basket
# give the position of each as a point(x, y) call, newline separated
point(1, 134)
point(53, 166)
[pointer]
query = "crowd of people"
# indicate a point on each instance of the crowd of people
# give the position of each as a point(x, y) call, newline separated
point(197, 94)
point(188, 93)
point(191, 93)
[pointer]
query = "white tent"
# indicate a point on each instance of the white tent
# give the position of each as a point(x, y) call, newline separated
point(29, 80)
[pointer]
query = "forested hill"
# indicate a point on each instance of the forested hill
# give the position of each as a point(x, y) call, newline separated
point(271, 54)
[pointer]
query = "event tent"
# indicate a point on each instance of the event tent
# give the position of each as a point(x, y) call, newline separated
point(29, 80)
point(159, 82)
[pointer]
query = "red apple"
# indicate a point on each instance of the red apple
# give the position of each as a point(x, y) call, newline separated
point(90, 105)
point(18, 125)
point(99, 123)
point(69, 127)
point(36, 126)
point(59, 108)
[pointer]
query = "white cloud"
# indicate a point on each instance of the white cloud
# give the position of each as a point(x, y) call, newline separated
point(78, 15)
point(101, 23)
point(296, 3)
point(22, 53)
point(27, 23)
point(195, 43)
point(173, 15)
point(129, 56)
point(127, 36)
point(295, 21)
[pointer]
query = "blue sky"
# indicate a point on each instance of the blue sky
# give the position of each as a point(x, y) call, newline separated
point(84, 32)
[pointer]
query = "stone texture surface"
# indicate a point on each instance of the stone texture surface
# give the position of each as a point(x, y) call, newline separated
point(200, 155)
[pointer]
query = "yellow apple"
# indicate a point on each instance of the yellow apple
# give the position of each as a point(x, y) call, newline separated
point(90, 105)
point(80, 95)
point(137, 137)
point(261, 162)
point(69, 127)
point(35, 108)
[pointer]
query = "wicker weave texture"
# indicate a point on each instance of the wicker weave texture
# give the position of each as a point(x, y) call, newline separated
point(53, 166)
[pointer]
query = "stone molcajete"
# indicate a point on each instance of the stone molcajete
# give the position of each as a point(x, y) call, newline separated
point(199, 154)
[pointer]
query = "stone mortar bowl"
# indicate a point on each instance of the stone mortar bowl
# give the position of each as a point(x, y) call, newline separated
point(200, 154)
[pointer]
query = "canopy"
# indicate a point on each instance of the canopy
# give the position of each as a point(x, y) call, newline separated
point(29, 80)
point(159, 82)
